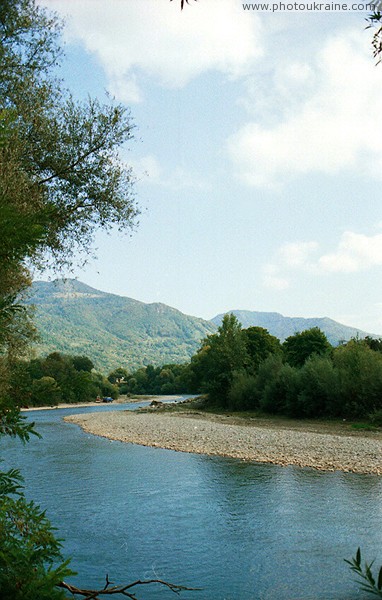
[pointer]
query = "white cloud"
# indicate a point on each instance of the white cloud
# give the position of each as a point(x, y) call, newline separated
point(355, 252)
point(325, 118)
point(136, 37)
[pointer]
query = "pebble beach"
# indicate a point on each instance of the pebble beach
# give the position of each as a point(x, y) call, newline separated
point(250, 442)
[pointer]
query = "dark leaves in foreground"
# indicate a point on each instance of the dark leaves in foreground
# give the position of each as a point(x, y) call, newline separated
point(366, 578)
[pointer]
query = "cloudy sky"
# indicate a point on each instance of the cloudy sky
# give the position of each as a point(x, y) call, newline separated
point(258, 151)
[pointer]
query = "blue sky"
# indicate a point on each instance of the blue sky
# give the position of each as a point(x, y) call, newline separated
point(258, 152)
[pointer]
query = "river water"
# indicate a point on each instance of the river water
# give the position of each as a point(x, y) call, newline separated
point(240, 531)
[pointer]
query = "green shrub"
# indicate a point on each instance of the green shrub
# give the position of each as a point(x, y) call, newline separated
point(243, 394)
point(318, 388)
point(376, 417)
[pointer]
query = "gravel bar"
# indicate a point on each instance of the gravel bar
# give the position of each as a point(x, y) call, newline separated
point(263, 444)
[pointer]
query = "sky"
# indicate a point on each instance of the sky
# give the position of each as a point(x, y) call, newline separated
point(257, 153)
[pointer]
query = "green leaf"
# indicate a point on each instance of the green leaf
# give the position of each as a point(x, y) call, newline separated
point(358, 557)
point(379, 584)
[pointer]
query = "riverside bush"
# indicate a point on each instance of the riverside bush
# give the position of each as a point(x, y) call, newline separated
point(359, 372)
point(318, 385)
point(243, 394)
point(277, 386)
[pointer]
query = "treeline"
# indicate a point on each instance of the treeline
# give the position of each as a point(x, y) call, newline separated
point(58, 378)
point(249, 369)
point(237, 369)
point(168, 379)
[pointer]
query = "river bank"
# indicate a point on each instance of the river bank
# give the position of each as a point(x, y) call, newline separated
point(251, 441)
point(120, 400)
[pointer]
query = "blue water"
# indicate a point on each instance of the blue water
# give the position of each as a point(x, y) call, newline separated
point(240, 531)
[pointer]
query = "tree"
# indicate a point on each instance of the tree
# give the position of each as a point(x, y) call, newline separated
point(260, 344)
point(359, 372)
point(367, 580)
point(300, 346)
point(45, 392)
point(318, 389)
point(277, 385)
point(82, 363)
point(373, 343)
point(118, 375)
point(64, 152)
point(220, 356)
point(243, 392)
point(60, 180)
point(31, 564)
point(60, 174)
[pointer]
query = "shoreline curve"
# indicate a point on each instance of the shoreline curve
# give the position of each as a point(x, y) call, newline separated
point(249, 442)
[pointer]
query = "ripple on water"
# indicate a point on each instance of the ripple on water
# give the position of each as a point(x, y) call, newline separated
point(242, 531)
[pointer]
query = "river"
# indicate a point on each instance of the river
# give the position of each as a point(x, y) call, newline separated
point(240, 531)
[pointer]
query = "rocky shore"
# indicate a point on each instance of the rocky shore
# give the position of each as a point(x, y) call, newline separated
point(249, 441)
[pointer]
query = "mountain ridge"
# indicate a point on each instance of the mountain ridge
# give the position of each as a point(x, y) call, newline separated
point(282, 327)
point(117, 331)
point(110, 329)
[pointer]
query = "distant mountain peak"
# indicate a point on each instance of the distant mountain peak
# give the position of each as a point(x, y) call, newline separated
point(116, 331)
point(113, 331)
point(282, 327)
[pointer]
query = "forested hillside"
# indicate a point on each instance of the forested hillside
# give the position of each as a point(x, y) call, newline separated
point(115, 331)
point(112, 330)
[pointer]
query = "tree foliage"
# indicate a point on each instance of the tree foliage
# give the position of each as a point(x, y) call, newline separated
point(299, 347)
point(61, 178)
point(65, 152)
point(168, 379)
point(367, 580)
point(31, 563)
point(57, 378)
point(245, 369)
point(260, 344)
point(220, 356)
point(375, 22)
point(182, 3)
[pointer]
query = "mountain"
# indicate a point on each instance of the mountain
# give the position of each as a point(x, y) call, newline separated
point(113, 331)
point(282, 327)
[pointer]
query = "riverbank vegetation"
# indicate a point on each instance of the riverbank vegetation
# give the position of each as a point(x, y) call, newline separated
point(305, 377)
point(58, 378)
point(250, 370)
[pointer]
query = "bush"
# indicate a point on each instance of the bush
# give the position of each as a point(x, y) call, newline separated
point(319, 389)
point(277, 386)
point(243, 394)
point(376, 417)
point(360, 379)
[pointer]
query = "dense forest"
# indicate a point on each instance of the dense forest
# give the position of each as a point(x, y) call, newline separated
point(58, 378)
point(237, 369)
point(249, 369)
